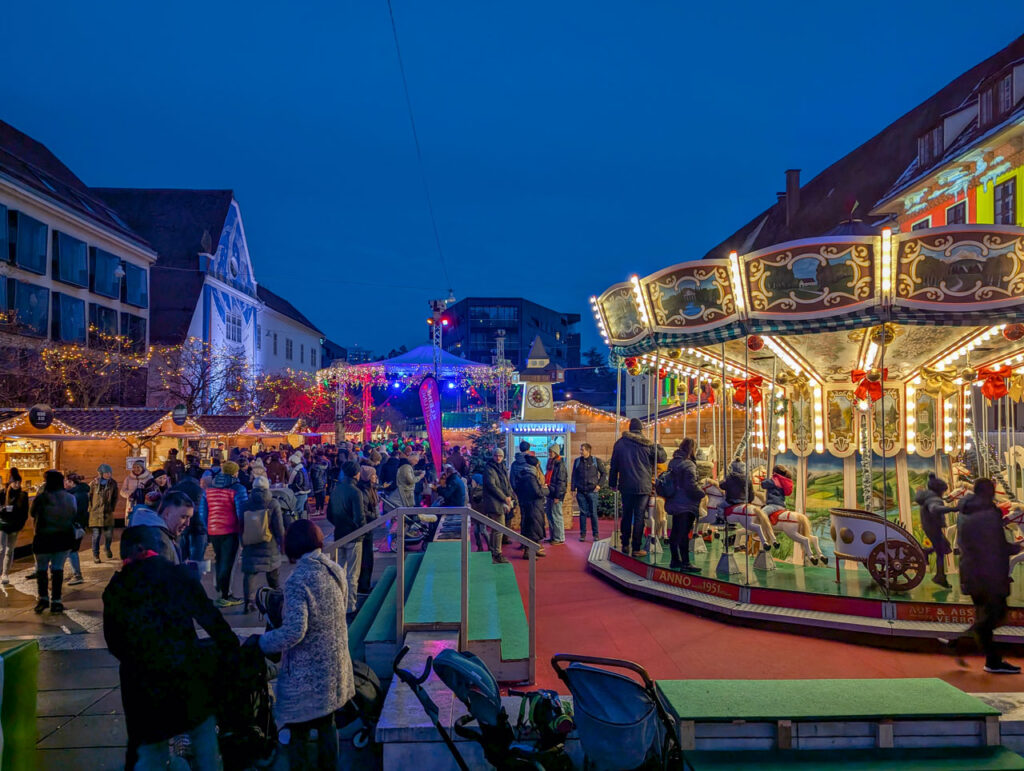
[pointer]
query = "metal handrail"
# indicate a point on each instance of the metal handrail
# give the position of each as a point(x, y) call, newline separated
point(467, 514)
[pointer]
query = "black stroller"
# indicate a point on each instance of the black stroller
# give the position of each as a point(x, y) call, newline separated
point(622, 723)
point(368, 702)
point(535, 745)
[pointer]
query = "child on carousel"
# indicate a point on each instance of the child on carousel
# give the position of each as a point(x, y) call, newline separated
point(933, 522)
point(777, 488)
point(739, 490)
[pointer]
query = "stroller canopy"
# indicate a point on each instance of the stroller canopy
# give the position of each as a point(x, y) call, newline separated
point(472, 683)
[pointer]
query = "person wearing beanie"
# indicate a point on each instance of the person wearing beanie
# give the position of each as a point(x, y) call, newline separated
point(221, 512)
point(318, 484)
point(262, 539)
point(13, 516)
point(631, 473)
point(102, 503)
point(557, 480)
point(136, 485)
point(53, 511)
point(298, 483)
point(346, 513)
point(933, 522)
point(174, 468)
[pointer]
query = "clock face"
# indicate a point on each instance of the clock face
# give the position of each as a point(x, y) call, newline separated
point(538, 396)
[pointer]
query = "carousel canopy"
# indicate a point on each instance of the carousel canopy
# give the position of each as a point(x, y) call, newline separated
point(821, 305)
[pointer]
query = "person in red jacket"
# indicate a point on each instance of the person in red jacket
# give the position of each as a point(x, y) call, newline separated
point(221, 510)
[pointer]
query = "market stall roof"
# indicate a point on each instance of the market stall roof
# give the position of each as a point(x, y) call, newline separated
point(222, 425)
point(120, 420)
point(276, 425)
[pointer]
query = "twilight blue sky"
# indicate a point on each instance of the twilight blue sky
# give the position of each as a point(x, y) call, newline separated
point(567, 144)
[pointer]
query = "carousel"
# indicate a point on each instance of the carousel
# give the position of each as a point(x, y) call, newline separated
point(853, 378)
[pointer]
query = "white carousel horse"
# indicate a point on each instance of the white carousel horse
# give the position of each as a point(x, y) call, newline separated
point(747, 515)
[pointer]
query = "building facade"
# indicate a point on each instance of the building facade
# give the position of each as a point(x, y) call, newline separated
point(285, 338)
point(473, 324)
point(71, 269)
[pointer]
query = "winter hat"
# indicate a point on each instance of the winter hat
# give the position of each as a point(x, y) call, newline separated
point(53, 480)
point(261, 483)
point(738, 467)
point(635, 426)
point(350, 469)
point(555, 449)
point(229, 467)
point(365, 472)
point(296, 459)
point(159, 473)
point(104, 469)
point(936, 484)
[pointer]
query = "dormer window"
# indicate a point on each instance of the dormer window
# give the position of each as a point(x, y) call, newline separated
point(995, 101)
point(929, 147)
point(1004, 92)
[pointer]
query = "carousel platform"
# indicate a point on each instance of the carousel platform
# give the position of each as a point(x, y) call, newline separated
point(804, 599)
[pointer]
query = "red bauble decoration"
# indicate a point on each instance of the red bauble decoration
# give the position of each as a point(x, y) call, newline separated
point(662, 373)
point(755, 342)
point(631, 362)
point(1013, 332)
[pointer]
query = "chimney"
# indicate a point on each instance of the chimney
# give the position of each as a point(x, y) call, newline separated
point(792, 195)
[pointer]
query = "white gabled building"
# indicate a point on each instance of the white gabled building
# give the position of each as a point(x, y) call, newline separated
point(285, 338)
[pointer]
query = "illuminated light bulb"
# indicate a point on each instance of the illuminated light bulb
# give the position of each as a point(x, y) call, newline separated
point(967, 445)
point(817, 420)
point(911, 449)
point(910, 420)
point(781, 433)
point(916, 380)
point(910, 433)
point(780, 421)
point(819, 448)
point(949, 434)
point(948, 420)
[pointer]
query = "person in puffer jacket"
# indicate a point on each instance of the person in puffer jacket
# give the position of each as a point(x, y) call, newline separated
point(221, 510)
point(777, 488)
point(738, 489)
point(933, 522)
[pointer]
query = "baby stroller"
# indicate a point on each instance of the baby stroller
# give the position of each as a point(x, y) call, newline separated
point(504, 747)
point(368, 702)
point(419, 528)
point(248, 734)
point(622, 723)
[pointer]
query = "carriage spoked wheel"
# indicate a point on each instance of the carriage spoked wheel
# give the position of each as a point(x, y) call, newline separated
point(897, 566)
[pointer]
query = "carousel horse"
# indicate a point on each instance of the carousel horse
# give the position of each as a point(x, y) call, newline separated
point(750, 517)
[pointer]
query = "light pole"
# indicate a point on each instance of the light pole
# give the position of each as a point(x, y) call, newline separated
point(437, 323)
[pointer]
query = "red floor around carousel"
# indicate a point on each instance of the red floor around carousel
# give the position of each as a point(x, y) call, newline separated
point(580, 613)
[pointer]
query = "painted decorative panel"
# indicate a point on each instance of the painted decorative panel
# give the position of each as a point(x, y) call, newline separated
point(690, 295)
point(621, 316)
point(886, 421)
point(925, 421)
point(979, 266)
point(840, 422)
point(809, 277)
point(801, 422)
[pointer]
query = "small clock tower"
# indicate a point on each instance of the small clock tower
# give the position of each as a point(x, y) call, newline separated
point(537, 378)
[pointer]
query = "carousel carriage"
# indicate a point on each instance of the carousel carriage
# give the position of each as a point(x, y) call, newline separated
point(888, 550)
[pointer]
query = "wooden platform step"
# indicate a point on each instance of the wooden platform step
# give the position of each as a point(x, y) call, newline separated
point(379, 643)
point(944, 759)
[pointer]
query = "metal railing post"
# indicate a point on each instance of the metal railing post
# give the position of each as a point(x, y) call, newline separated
point(400, 584)
point(464, 611)
point(533, 615)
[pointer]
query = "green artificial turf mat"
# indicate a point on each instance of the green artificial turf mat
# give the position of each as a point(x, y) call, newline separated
point(434, 598)
point(758, 700)
point(383, 627)
point(515, 631)
point(483, 603)
point(938, 759)
point(368, 613)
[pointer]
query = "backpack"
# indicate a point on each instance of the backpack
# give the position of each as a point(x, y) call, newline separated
point(300, 484)
point(665, 485)
point(256, 527)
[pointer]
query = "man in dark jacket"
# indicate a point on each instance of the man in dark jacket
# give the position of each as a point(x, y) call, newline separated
point(160, 531)
point(631, 472)
point(54, 511)
point(346, 513)
point(684, 505)
point(175, 468)
point(530, 489)
point(588, 477)
point(985, 569)
point(557, 480)
point(496, 501)
point(149, 610)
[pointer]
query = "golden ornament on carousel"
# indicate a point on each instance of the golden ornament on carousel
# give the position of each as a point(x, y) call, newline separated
point(968, 374)
point(634, 370)
point(674, 353)
point(782, 378)
point(884, 334)
point(874, 375)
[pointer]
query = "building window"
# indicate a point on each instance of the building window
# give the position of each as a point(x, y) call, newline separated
point(985, 107)
point(233, 326)
point(26, 239)
point(103, 273)
point(922, 224)
point(68, 319)
point(275, 343)
point(302, 353)
point(70, 260)
point(29, 308)
point(102, 325)
point(1004, 95)
point(133, 329)
point(259, 341)
point(135, 288)
point(929, 147)
point(312, 357)
point(5, 251)
point(288, 349)
point(957, 214)
point(1006, 203)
